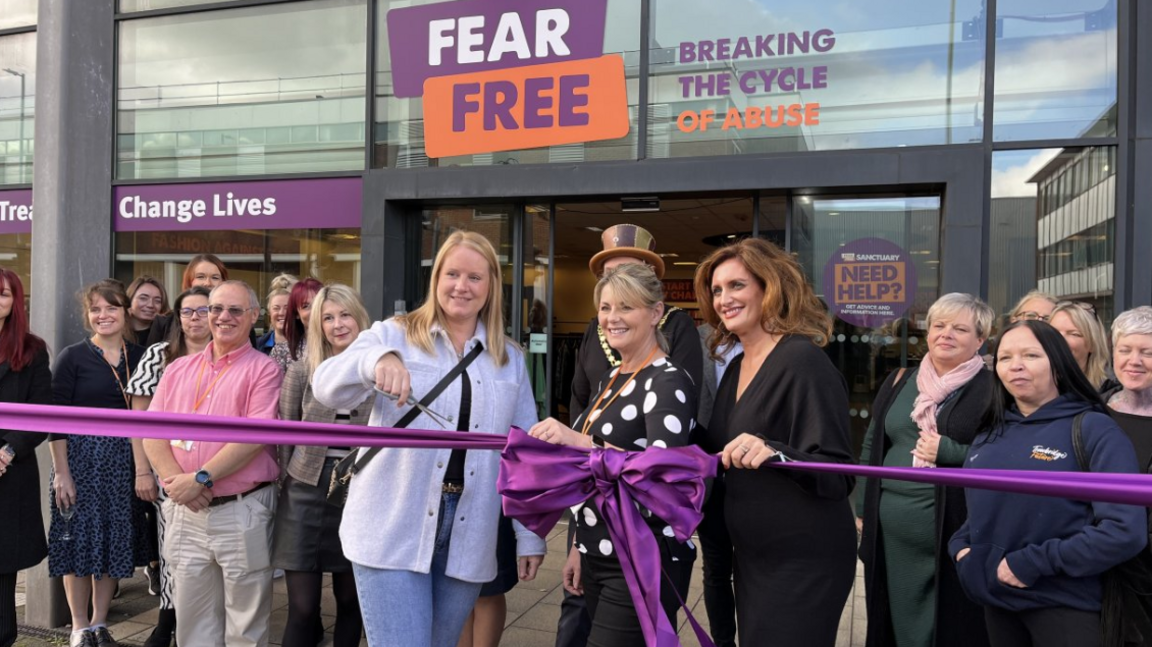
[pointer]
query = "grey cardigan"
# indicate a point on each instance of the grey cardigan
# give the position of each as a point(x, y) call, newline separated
point(305, 462)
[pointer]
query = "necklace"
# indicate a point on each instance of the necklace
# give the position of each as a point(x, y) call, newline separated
point(593, 414)
point(116, 375)
point(201, 398)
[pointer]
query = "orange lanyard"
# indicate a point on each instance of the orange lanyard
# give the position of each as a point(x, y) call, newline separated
point(201, 398)
point(127, 369)
point(596, 407)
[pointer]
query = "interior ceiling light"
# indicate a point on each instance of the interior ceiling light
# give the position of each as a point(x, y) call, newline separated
point(640, 204)
point(595, 229)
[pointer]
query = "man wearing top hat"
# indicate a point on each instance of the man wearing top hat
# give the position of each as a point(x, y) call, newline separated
point(622, 244)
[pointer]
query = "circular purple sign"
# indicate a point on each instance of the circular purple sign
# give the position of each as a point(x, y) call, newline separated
point(869, 282)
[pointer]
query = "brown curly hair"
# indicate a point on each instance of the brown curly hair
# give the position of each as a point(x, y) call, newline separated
point(790, 307)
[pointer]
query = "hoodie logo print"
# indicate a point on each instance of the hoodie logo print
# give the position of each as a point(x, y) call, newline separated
point(1047, 454)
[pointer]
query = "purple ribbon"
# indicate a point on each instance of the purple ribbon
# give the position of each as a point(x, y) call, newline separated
point(539, 481)
point(1107, 487)
point(87, 421)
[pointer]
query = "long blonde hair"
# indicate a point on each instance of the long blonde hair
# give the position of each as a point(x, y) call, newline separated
point(418, 323)
point(1093, 331)
point(318, 348)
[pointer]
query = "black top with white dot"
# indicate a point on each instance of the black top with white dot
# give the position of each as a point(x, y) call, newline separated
point(656, 409)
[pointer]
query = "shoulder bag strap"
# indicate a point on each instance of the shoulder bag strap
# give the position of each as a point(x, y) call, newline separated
point(426, 401)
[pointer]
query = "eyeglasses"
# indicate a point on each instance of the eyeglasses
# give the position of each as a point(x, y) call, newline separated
point(1030, 316)
point(233, 311)
point(1085, 306)
point(202, 312)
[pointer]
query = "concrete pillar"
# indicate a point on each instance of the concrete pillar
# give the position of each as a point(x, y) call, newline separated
point(72, 230)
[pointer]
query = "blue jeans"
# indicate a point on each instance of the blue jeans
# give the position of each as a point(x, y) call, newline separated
point(407, 609)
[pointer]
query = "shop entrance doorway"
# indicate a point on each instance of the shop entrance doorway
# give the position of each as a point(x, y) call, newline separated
point(895, 236)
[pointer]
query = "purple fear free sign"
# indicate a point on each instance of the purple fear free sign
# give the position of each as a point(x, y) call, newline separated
point(476, 35)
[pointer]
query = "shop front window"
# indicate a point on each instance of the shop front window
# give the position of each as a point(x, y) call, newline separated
point(17, 13)
point(274, 89)
point(252, 256)
point(400, 120)
point(16, 234)
point(1035, 37)
point(17, 106)
point(876, 263)
point(129, 6)
point(759, 78)
point(1053, 226)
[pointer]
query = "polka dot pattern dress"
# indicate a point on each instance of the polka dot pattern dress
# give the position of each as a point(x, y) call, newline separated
point(655, 410)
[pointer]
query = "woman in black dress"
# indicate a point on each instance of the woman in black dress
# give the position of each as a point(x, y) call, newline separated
point(646, 402)
point(782, 399)
point(24, 379)
point(93, 479)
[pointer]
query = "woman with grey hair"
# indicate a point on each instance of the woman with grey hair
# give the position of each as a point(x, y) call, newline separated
point(924, 417)
point(1131, 402)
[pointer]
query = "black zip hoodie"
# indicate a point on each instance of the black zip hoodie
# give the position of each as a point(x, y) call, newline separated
point(1051, 544)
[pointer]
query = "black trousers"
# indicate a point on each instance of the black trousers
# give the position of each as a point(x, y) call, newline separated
point(614, 619)
point(574, 626)
point(716, 550)
point(1055, 627)
point(7, 609)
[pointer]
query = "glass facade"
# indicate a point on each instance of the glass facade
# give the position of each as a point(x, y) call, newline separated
point(399, 133)
point(17, 13)
point(808, 76)
point(127, 6)
point(17, 107)
point(866, 354)
point(1053, 226)
point(271, 89)
point(1056, 69)
point(252, 256)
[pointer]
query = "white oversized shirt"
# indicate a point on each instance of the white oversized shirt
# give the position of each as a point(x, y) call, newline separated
point(393, 505)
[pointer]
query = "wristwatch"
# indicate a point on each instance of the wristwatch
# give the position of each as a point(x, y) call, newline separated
point(204, 478)
point(8, 449)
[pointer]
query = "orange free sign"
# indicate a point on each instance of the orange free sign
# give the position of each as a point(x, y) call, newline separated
point(876, 283)
point(526, 107)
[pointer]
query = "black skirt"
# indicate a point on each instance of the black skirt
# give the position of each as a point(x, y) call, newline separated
point(507, 574)
point(307, 530)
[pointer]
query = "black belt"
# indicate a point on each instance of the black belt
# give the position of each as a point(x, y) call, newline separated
point(229, 498)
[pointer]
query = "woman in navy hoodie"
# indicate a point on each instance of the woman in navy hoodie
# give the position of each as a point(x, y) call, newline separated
point(1035, 563)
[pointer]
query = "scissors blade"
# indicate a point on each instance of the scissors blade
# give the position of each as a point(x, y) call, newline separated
point(436, 418)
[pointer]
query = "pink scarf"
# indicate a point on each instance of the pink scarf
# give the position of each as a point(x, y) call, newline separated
point(934, 389)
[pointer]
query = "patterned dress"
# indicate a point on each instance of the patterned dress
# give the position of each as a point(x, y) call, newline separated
point(106, 531)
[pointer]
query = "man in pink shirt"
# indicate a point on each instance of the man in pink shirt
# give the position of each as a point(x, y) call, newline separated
point(221, 496)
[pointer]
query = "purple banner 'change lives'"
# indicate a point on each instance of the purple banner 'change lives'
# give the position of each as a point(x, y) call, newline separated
point(333, 203)
point(869, 282)
point(476, 35)
point(16, 211)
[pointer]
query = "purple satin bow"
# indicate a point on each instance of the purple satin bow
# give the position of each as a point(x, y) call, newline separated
point(539, 481)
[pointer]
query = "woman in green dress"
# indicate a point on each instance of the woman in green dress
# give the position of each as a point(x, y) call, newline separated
point(924, 417)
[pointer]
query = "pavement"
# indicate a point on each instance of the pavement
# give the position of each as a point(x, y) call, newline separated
point(533, 609)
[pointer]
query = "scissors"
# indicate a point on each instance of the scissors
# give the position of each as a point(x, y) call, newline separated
point(444, 423)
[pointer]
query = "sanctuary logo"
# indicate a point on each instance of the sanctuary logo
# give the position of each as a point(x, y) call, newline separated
point(508, 75)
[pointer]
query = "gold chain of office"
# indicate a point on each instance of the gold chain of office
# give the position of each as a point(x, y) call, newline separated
point(612, 360)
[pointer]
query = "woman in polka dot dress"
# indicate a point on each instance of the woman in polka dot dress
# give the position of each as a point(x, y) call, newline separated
point(646, 402)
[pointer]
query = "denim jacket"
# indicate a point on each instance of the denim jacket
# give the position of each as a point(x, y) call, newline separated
point(390, 518)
